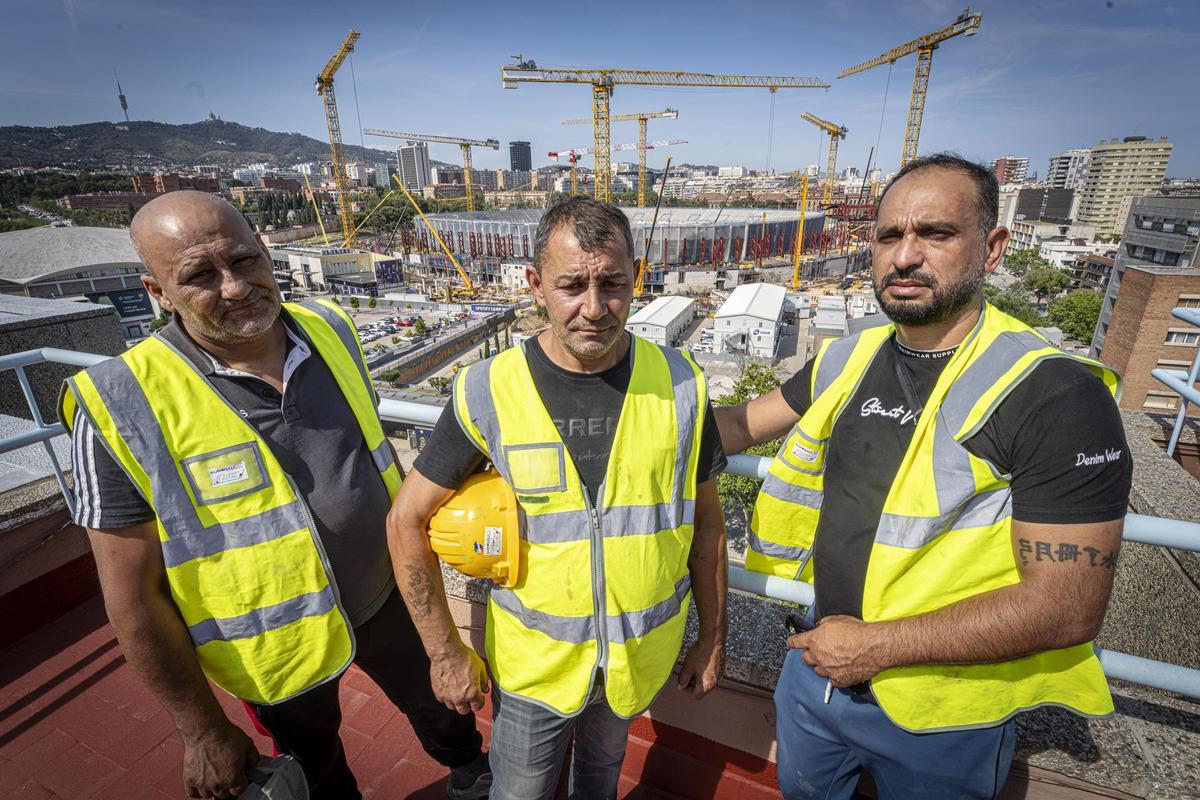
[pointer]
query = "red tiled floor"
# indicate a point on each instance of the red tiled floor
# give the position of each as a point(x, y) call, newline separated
point(76, 723)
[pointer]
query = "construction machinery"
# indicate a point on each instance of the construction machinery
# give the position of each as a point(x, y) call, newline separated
point(642, 118)
point(798, 249)
point(468, 289)
point(325, 89)
point(967, 24)
point(604, 80)
point(835, 132)
point(640, 282)
point(465, 144)
point(573, 156)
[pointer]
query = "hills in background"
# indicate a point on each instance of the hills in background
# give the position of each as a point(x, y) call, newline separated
point(147, 145)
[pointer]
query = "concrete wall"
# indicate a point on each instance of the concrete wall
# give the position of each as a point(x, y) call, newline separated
point(90, 330)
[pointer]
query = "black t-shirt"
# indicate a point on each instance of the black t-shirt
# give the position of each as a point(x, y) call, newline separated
point(585, 409)
point(1038, 434)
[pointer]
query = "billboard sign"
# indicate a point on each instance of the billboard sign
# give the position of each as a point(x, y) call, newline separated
point(127, 302)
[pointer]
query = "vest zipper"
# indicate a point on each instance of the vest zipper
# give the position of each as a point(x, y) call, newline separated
point(599, 597)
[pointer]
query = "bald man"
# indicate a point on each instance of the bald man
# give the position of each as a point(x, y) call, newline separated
point(234, 480)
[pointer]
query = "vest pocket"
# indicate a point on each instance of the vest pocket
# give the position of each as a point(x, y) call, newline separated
point(803, 454)
point(537, 468)
point(226, 473)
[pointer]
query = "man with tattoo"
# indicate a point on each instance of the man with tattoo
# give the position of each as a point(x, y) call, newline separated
point(955, 487)
point(610, 445)
point(234, 480)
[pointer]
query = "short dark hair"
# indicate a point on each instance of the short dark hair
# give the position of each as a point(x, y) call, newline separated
point(987, 201)
point(593, 222)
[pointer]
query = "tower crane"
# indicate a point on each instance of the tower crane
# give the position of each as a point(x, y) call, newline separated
point(325, 89)
point(604, 80)
point(573, 156)
point(835, 132)
point(967, 24)
point(642, 117)
point(465, 144)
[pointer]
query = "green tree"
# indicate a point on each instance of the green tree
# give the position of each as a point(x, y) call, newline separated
point(354, 302)
point(1014, 303)
point(372, 303)
point(1076, 313)
point(487, 348)
point(496, 342)
point(389, 375)
point(442, 384)
point(1045, 281)
point(738, 493)
point(160, 322)
point(419, 327)
point(507, 338)
point(1022, 261)
point(395, 340)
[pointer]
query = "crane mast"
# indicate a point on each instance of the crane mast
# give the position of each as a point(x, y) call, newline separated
point(464, 144)
point(604, 80)
point(642, 117)
point(337, 154)
point(967, 24)
point(836, 132)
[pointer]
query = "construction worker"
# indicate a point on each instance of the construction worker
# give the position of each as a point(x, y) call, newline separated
point(610, 446)
point(234, 480)
point(954, 486)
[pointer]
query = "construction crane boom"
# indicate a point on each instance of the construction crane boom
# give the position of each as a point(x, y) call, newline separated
point(603, 81)
point(835, 132)
point(967, 24)
point(464, 144)
point(573, 156)
point(336, 151)
point(642, 118)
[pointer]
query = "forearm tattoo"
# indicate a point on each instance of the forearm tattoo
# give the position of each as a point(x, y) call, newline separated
point(1064, 552)
point(419, 594)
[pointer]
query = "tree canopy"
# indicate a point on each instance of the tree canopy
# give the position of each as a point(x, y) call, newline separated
point(757, 379)
point(1076, 313)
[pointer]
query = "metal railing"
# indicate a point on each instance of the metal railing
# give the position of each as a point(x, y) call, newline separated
point(1180, 382)
point(1178, 534)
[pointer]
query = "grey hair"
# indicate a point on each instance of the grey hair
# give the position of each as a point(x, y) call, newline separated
point(593, 223)
point(987, 190)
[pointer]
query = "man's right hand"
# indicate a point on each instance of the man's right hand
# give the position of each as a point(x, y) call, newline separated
point(460, 679)
point(215, 762)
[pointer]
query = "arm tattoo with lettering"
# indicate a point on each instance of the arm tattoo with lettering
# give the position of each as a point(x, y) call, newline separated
point(419, 594)
point(1063, 553)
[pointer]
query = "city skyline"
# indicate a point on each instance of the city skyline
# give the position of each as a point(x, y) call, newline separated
point(1034, 82)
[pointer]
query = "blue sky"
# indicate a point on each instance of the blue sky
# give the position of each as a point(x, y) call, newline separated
point(1040, 77)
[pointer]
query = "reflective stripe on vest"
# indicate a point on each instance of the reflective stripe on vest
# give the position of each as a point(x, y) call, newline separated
point(243, 561)
point(606, 582)
point(945, 534)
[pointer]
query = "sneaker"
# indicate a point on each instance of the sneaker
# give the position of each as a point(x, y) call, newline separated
point(470, 782)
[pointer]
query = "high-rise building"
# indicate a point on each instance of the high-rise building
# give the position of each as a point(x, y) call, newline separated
point(1067, 170)
point(1118, 169)
point(1010, 169)
point(383, 172)
point(520, 156)
point(413, 161)
point(1157, 269)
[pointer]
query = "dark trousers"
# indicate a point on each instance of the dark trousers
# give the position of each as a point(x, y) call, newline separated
point(390, 652)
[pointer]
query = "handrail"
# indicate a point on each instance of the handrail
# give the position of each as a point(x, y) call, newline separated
point(1180, 382)
point(1178, 534)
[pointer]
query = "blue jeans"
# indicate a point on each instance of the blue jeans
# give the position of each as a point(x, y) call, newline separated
point(529, 742)
point(822, 749)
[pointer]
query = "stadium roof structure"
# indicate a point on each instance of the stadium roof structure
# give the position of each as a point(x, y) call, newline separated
point(35, 254)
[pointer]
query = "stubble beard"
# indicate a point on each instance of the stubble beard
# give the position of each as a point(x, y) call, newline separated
point(228, 326)
point(947, 301)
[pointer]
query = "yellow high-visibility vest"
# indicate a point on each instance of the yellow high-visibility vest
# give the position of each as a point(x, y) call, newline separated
point(243, 559)
point(945, 533)
point(605, 583)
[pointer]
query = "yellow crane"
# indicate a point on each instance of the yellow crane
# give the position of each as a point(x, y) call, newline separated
point(465, 144)
point(469, 289)
point(639, 284)
point(835, 132)
point(325, 89)
point(604, 80)
point(798, 250)
point(642, 117)
point(967, 24)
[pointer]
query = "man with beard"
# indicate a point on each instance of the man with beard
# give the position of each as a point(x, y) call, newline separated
point(234, 480)
point(609, 444)
point(954, 487)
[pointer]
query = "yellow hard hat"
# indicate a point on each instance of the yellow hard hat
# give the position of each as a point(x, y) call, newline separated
point(477, 531)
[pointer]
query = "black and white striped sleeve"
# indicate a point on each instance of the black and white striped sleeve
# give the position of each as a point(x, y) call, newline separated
point(105, 498)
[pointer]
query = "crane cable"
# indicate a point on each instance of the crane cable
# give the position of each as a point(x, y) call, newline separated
point(886, 87)
point(357, 113)
point(770, 131)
